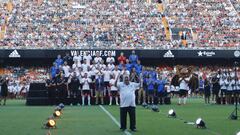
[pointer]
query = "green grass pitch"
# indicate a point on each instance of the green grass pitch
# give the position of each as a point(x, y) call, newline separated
point(18, 119)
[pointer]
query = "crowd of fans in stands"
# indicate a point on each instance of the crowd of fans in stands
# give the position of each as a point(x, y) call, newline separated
point(119, 24)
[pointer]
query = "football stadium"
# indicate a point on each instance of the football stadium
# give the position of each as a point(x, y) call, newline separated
point(119, 67)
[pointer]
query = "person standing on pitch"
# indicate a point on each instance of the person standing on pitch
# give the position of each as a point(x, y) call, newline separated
point(127, 102)
point(4, 90)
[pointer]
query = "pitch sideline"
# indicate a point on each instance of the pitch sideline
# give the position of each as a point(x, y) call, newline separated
point(113, 119)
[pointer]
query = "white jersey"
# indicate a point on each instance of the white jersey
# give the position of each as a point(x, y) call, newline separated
point(66, 70)
point(125, 73)
point(85, 67)
point(98, 59)
point(77, 58)
point(111, 66)
point(115, 73)
point(93, 67)
point(103, 66)
point(183, 84)
point(110, 59)
point(76, 65)
point(106, 75)
point(88, 59)
point(127, 94)
point(112, 83)
point(231, 85)
point(223, 84)
point(238, 85)
point(86, 83)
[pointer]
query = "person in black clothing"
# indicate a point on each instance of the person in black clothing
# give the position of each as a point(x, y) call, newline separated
point(51, 88)
point(175, 83)
point(73, 85)
point(207, 91)
point(215, 87)
point(4, 90)
point(61, 88)
point(68, 59)
point(134, 76)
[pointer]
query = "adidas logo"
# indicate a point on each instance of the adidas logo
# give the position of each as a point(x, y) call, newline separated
point(168, 54)
point(14, 54)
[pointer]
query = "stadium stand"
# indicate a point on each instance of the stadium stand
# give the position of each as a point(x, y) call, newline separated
point(120, 24)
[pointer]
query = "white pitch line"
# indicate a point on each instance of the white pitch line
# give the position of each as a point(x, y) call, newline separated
point(113, 119)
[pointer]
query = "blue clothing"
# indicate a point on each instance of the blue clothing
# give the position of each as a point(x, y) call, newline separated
point(201, 84)
point(120, 67)
point(160, 85)
point(150, 84)
point(59, 62)
point(138, 68)
point(153, 74)
point(99, 83)
point(133, 58)
point(145, 74)
point(53, 71)
point(128, 67)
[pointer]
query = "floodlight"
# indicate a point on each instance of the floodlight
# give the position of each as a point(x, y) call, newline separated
point(200, 123)
point(155, 108)
point(57, 114)
point(172, 113)
point(51, 123)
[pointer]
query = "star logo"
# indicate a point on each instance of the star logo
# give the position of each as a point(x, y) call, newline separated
point(200, 53)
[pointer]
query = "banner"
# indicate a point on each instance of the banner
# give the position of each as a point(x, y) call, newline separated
point(153, 54)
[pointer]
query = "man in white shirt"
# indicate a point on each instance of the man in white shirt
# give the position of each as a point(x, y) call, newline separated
point(85, 66)
point(97, 59)
point(106, 78)
point(66, 70)
point(110, 59)
point(115, 72)
point(124, 73)
point(222, 82)
point(85, 81)
point(88, 58)
point(127, 102)
point(183, 89)
point(77, 58)
point(113, 90)
point(111, 66)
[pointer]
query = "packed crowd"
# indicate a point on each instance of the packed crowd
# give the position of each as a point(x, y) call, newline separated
point(119, 24)
point(214, 23)
point(96, 25)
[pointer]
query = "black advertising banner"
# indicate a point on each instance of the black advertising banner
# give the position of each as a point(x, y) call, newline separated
point(154, 54)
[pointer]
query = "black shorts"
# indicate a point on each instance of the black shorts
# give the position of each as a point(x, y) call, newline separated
point(201, 89)
point(114, 93)
point(207, 93)
point(223, 91)
point(215, 91)
point(85, 92)
point(106, 84)
point(228, 92)
point(183, 92)
point(150, 92)
point(160, 94)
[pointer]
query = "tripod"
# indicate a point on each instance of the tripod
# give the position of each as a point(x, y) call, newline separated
point(234, 114)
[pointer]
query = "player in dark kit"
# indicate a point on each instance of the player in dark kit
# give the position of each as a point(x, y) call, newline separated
point(73, 84)
point(4, 90)
point(51, 88)
point(61, 88)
